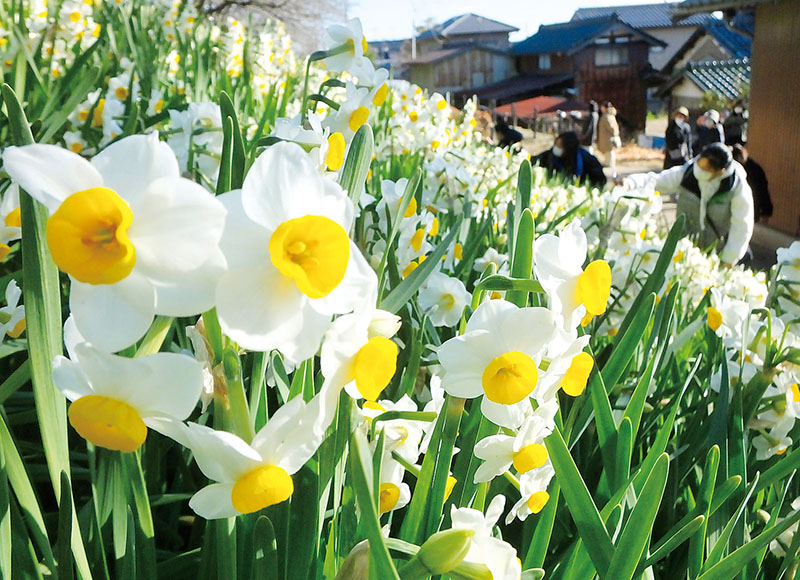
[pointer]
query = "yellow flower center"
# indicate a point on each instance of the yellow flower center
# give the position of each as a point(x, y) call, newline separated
point(97, 117)
point(14, 219)
point(447, 301)
point(75, 16)
point(121, 93)
point(358, 118)
point(83, 115)
point(509, 378)
point(574, 381)
point(434, 227)
point(88, 236)
point(18, 329)
point(411, 209)
point(458, 251)
point(380, 95)
point(417, 238)
point(262, 487)
point(373, 366)
point(594, 287)
point(410, 268)
point(448, 488)
point(313, 251)
point(530, 457)
point(336, 147)
point(441, 105)
point(364, 44)
point(795, 393)
point(537, 501)
point(108, 423)
point(413, 116)
point(76, 147)
point(389, 496)
point(714, 318)
point(5, 250)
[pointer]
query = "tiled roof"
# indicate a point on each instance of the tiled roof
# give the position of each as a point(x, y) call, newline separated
point(693, 6)
point(520, 87)
point(567, 36)
point(466, 24)
point(737, 44)
point(449, 52)
point(642, 16)
point(726, 78)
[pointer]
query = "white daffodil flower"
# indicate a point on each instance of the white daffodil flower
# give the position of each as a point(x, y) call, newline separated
point(726, 316)
point(352, 113)
point(253, 476)
point(402, 435)
point(116, 399)
point(443, 299)
point(486, 551)
point(10, 219)
point(12, 315)
point(291, 264)
point(197, 136)
point(356, 359)
point(135, 237)
point(525, 452)
point(575, 294)
point(325, 149)
point(348, 43)
point(499, 356)
point(533, 489)
point(394, 493)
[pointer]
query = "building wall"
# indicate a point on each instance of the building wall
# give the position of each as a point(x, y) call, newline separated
point(674, 37)
point(622, 85)
point(706, 49)
point(686, 94)
point(774, 130)
point(472, 68)
point(560, 63)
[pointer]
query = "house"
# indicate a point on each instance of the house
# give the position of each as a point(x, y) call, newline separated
point(392, 55)
point(462, 52)
point(657, 21)
point(774, 96)
point(715, 40)
point(607, 58)
point(729, 79)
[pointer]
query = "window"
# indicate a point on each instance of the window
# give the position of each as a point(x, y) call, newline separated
point(610, 55)
point(544, 62)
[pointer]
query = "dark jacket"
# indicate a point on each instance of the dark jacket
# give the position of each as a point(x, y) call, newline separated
point(678, 144)
point(757, 180)
point(706, 136)
point(736, 129)
point(586, 167)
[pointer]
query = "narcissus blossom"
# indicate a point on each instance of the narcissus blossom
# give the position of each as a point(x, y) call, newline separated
point(533, 488)
point(576, 294)
point(291, 264)
point(348, 43)
point(499, 357)
point(116, 399)
point(12, 315)
point(443, 299)
point(253, 476)
point(135, 237)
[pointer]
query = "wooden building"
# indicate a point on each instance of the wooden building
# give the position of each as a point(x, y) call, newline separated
point(460, 68)
point(774, 129)
point(608, 59)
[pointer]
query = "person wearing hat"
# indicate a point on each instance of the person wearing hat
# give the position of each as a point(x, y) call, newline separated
point(715, 197)
point(709, 129)
point(678, 139)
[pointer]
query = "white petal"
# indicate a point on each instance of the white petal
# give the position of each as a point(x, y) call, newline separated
point(69, 379)
point(510, 416)
point(244, 242)
point(113, 316)
point(464, 359)
point(175, 430)
point(527, 330)
point(176, 224)
point(214, 502)
point(485, 315)
point(48, 173)
point(358, 290)
point(283, 184)
point(306, 343)
point(220, 455)
point(278, 426)
point(130, 165)
point(260, 308)
point(190, 293)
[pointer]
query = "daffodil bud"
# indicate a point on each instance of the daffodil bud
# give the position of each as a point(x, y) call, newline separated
point(445, 550)
point(384, 324)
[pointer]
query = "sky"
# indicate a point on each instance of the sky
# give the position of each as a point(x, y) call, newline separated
point(391, 19)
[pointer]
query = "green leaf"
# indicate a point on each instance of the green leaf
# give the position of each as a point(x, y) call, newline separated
point(64, 532)
point(237, 156)
point(225, 158)
point(639, 527)
point(356, 165)
point(584, 512)
point(697, 543)
point(522, 261)
point(381, 565)
point(622, 465)
point(5, 520)
point(537, 550)
point(403, 292)
point(722, 541)
point(264, 549)
point(503, 283)
point(732, 565)
point(626, 345)
point(303, 514)
point(674, 540)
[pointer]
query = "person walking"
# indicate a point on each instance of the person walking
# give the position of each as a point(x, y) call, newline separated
point(590, 129)
point(757, 179)
point(608, 134)
point(678, 139)
point(568, 159)
point(715, 197)
point(735, 125)
point(709, 129)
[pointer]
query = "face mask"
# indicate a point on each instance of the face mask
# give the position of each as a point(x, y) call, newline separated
point(557, 151)
point(737, 110)
point(710, 123)
point(702, 174)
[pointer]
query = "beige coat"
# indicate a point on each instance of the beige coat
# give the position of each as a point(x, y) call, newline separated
point(607, 131)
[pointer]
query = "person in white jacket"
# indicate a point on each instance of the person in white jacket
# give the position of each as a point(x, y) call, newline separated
point(714, 195)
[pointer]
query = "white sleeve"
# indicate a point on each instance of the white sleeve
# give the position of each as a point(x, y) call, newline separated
point(667, 181)
point(741, 221)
